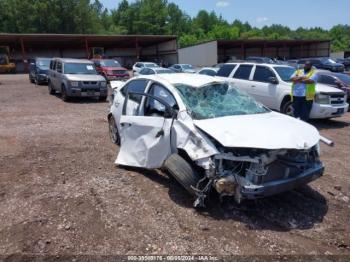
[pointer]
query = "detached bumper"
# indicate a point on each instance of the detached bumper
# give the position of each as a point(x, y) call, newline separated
point(283, 185)
point(328, 111)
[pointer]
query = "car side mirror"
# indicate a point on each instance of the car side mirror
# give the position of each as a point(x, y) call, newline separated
point(170, 112)
point(273, 80)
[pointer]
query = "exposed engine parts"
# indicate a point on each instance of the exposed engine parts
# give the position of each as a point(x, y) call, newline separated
point(230, 171)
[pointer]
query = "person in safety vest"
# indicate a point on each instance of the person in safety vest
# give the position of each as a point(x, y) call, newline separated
point(303, 91)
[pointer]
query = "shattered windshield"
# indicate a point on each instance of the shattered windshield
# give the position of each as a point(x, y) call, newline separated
point(217, 100)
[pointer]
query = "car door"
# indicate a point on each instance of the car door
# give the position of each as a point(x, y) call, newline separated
point(138, 85)
point(262, 88)
point(241, 77)
point(146, 130)
point(58, 75)
point(54, 75)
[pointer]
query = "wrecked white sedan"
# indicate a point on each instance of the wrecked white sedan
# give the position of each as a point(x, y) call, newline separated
point(207, 135)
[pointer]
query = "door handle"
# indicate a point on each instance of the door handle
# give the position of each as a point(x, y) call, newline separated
point(252, 86)
point(125, 124)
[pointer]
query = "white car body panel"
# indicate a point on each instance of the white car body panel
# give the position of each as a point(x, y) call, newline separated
point(265, 131)
point(141, 146)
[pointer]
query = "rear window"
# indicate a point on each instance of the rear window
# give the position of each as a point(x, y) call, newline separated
point(226, 70)
point(243, 72)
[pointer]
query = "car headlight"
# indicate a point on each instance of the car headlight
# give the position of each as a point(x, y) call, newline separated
point(322, 99)
point(103, 84)
point(74, 83)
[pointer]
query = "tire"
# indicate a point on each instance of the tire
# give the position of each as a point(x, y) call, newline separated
point(183, 172)
point(31, 80)
point(287, 108)
point(113, 131)
point(51, 89)
point(102, 98)
point(64, 95)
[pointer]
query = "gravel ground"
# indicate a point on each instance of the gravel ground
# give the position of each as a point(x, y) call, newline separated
point(61, 194)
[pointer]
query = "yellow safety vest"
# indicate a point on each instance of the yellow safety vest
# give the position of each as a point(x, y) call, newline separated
point(310, 88)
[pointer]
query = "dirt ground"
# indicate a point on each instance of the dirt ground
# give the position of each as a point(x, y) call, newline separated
point(61, 193)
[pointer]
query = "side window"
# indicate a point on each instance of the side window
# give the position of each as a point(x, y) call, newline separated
point(154, 107)
point(97, 63)
point(177, 67)
point(59, 67)
point(262, 74)
point(226, 70)
point(138, 86)
point(328, 80)
point(51, 64)
point(243, 72)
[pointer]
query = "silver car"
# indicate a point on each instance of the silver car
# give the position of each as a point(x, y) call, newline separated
point(76, 78)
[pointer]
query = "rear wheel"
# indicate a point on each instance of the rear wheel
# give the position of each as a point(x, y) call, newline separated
point(183, 172)
point(113, 131)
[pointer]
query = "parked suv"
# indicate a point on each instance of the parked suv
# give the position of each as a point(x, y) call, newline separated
point(38, 70)
point(76, 78)
point(271, 85)
point(111, 69)
point(323, 63)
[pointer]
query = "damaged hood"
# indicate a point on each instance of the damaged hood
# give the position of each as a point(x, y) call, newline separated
point(264, 131)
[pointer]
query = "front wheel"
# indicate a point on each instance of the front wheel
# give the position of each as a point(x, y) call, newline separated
point(51, 89)
point(183, 172)
point(287, 108)
point(64, 95)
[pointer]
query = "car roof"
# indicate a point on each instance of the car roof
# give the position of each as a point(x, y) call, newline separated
point(258, 64)
point(194, 80)
point(74, 60)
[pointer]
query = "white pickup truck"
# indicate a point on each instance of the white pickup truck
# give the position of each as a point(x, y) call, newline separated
point(270, 85)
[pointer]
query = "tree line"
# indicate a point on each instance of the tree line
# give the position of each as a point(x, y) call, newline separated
point(158, 17)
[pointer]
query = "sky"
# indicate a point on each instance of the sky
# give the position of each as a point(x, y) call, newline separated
point(292, 13)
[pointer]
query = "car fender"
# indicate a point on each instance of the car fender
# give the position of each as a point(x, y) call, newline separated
point(190, 139)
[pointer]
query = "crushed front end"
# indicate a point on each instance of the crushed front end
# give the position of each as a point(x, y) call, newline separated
point(247, 173)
